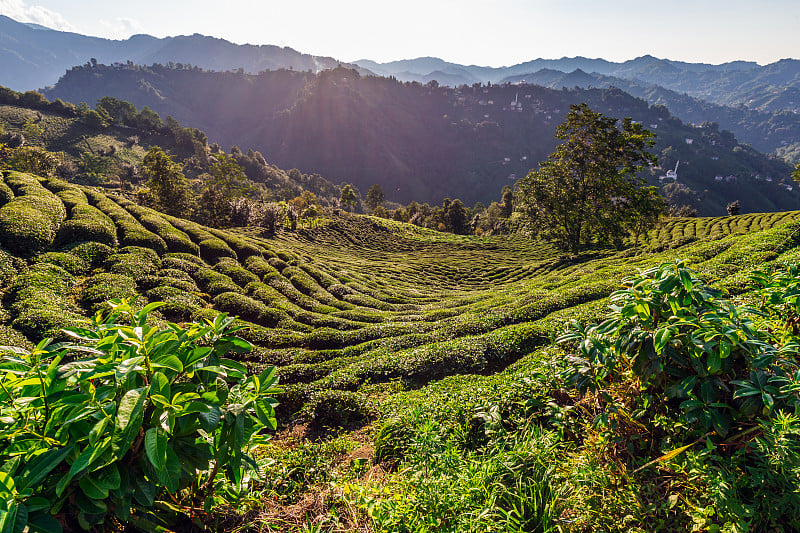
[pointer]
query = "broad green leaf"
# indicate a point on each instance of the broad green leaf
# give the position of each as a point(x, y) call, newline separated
point(43, 522)
point(171, 362)
point(37, 503)
point(155, 445)
point(266, 413)
point(7, 484)
point(661, 339)
point(84, 461)
point(91, 488)
point(37, 469)
point(160, 385)
point(129, 420)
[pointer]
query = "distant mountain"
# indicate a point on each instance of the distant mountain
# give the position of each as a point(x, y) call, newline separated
point(32, 56)
point(425, 142)
point(769, 131)
point(735, 83)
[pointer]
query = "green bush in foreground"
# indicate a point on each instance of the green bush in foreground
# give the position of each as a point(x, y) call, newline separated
point(130, 421)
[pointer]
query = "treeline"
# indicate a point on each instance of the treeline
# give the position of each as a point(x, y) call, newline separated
point(103, 166)
point(451, 217)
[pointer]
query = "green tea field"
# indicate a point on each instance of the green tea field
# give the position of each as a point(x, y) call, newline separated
point(402, 353)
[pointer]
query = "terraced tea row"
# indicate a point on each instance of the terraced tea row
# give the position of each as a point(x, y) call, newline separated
point(682, 229)
point(354, 302)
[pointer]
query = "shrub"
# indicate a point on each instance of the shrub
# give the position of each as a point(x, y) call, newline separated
point(214, 282)
point(236, 272)
point(70, 194)
point(72, 263)
point(133, 261)
point(132, 233)
point(674, 334)
point(185, 262)
point(212, 250)
point(177, 241)
point(8, 266)
point(157, 425)
point(104, 286)
point(29, 222)
point(95, 253)
point(242, 247)
point(240, 305)
point(87, 223)
point(336, 408)
point(179, 305)
point(6, 194)
point(259, 266)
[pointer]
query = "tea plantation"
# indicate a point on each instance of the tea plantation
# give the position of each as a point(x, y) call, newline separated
point(422, 384)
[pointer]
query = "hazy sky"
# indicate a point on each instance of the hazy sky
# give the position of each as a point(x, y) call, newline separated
point(486, 32)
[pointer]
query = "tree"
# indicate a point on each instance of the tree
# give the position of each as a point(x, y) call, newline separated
point(733, 208)
point(796, 172)
point(166, 181)
point(34, 160)
point(375, 197)
point(583, 191)
point(455, 217)
point(648, 206)
point(228, 177)
point(348, 198)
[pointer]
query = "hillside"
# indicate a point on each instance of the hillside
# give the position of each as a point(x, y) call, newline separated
point(109, 151)
point(766, 131)
point(35, 57)
point(442, 340)
point(425, 142)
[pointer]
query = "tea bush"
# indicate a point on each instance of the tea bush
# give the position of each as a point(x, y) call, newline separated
point(87, 223)
point(29, 222)
point(212, 250)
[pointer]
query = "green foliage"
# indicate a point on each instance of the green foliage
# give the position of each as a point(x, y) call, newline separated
point(33, 160)
point(167, 182)
point(348, 198)
point(228, 177)
point(675, 335)
point(135, 262)
point(29, 222)
point(581, 191)
point(98, 289)
point(128, 417)
point(72, 263)
point(87, 223)
point(213, 249)
point(243, 306)
point(335, 408)
point(132, 233)
point(375, 197)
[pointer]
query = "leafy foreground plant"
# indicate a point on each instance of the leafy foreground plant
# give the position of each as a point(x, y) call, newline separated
point(678, 359)
point(131, 423)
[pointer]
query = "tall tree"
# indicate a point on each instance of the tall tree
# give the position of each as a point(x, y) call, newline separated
point(167, 183)
point(348, 198)
point(228, 177)
point(375, 197)
point(583, 191)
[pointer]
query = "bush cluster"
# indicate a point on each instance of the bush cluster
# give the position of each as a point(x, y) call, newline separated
point(132, 233)
point(29, 222)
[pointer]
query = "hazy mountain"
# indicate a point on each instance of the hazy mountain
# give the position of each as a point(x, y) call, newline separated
point(32, 56)
point(733, 83)
point(771, 129)
point(426, 142)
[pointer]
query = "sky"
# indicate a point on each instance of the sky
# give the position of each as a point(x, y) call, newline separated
point(485, 32)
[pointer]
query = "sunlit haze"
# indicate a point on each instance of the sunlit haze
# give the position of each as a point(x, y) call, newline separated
point(486, 32)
